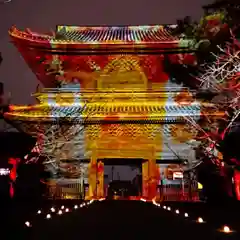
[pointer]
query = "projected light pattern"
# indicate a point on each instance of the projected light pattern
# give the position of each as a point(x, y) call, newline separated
point(108, 97)
point(76, 112)
point(176, 137)
point(84, 69)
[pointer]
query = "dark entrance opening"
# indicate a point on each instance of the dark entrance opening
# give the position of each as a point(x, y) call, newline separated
point(122, 177)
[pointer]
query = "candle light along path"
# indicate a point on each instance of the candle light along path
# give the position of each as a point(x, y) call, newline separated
point(225, 229)
point(54, 211)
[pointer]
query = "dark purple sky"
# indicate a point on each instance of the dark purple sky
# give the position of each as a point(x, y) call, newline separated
point(43, 15)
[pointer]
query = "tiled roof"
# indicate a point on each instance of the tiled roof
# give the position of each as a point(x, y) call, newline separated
point(144, 109)
point(125, 34)
point(73, 111)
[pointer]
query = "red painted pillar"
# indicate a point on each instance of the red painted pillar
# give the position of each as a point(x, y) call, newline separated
point(236, 178)
point(13, 174)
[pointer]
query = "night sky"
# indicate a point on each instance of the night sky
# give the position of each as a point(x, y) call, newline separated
point(43, 15)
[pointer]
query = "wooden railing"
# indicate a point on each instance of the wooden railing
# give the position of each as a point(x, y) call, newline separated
point(164, 193)
point(178, 193)
point(67, 191)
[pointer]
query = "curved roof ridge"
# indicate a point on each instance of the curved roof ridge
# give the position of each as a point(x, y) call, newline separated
point(28, 35)
point(97, 35)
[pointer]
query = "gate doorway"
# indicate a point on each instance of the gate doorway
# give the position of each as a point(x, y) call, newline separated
point(122, 177)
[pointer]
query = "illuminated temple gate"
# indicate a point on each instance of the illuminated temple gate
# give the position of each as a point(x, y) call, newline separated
point(106, 96)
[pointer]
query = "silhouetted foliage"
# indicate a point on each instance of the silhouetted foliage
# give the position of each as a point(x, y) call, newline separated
point(230, 145)
point(179, 74)
point(15, 144)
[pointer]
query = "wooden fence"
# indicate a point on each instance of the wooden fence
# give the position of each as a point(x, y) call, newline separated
point(66, 191)
point(170, 192)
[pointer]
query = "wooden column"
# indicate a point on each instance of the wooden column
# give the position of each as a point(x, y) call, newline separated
point(92, 177)
point(145, 178)
point(100, 179)
point(152, 179)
